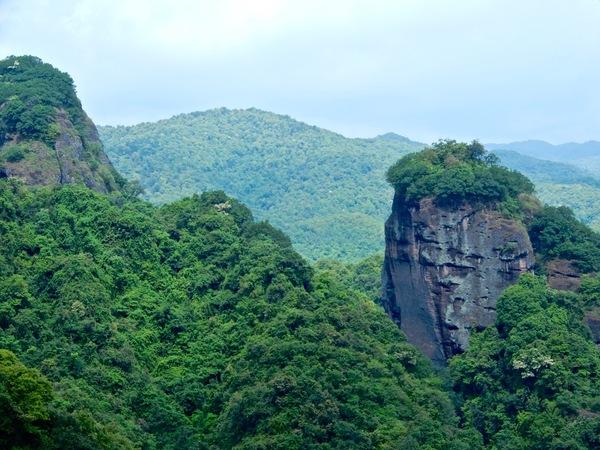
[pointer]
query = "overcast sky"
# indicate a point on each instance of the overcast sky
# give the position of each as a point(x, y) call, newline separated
point(497, 70)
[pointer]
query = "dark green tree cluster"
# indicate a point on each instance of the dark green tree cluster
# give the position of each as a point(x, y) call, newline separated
point(452, 172)
point(532, 381)
point(30, 93)
point(193, 326)
point(556, 233)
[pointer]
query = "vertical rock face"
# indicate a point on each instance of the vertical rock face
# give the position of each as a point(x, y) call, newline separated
point(445, 268)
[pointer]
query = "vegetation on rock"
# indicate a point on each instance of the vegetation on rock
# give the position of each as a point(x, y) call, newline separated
point(453, 172)
point(45, 136)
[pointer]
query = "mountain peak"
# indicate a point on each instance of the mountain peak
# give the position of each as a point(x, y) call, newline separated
point(45, 136)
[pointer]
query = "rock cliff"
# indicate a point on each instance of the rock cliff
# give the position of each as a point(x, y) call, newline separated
point(45, 136)
point(444, 269)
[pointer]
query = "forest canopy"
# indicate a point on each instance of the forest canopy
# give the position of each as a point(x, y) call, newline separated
point(30, 93)
point(192, 326)
point(451, 171)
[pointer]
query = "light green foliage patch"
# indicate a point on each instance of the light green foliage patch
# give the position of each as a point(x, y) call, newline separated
point(327, 192)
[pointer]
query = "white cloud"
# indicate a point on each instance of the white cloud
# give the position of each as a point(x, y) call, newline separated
point(494, 69)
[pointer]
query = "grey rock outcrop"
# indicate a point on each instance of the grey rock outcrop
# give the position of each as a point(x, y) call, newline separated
point(445, 268)
point(76, 156)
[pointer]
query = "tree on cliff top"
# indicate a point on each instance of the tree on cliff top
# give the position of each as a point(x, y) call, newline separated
point(452, 172)
point(30, 90)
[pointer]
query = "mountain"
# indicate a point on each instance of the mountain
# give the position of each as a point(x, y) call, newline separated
point(125, 325)
point(45, 136)
point(460, 242)
point(190, 325)
point(560, 184)
point(326, 191)
point(585, 155)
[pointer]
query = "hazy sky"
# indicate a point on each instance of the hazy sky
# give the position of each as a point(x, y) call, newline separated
point(497, 70)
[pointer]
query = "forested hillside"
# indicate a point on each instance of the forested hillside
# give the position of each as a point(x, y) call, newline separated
point(326, 191)
point(561, 184)
point(193, 326)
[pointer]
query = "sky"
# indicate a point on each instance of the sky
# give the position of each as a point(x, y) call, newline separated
point(494, 70)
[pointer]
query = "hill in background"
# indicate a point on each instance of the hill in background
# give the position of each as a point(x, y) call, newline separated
point(585, 155)
point(560, 184)
point(326, 191)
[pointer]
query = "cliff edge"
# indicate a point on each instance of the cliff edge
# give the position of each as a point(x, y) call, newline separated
point(45, 136)
point(452, 244)
point(445, 268)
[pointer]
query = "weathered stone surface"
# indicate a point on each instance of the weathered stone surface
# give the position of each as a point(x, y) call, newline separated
point(76, 156)
point(444, 270)
point(592, 318)
point(563, 275)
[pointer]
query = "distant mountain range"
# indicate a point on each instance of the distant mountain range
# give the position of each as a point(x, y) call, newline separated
point(559, 183)
point(586, 155)
point(326, 191)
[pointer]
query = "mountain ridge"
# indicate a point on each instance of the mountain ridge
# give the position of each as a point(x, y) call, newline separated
point(296, 175)
point(323, 189)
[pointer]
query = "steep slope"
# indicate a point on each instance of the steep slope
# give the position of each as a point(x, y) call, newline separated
point(192, 326)
point(45, 136)
point(446, 267)
point(326, 191)
point(452, 244)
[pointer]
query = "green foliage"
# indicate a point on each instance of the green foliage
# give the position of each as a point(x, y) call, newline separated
point(452, 172)
point(24, 398)
point(192, 326)
point(30, 93)
point(14, 153)
point(325, 191)
point(363, 276)
point(556, 233)
point(533, 380)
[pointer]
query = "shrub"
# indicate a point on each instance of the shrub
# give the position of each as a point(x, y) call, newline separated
point(452, 172)
point(14, 153)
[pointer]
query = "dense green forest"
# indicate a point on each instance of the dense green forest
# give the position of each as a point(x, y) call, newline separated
point(192, 326)
point(327, 192)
